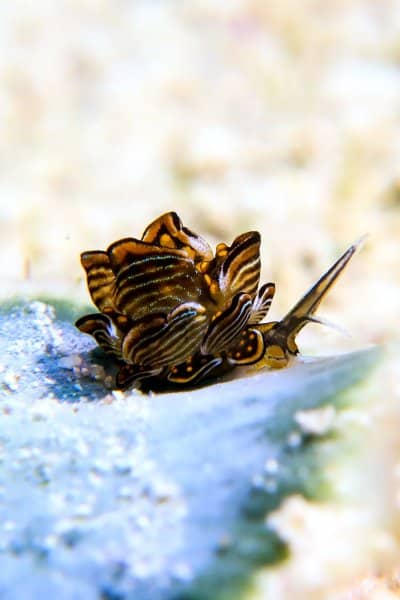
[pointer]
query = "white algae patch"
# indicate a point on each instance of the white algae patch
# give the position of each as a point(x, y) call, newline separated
point(316, 422)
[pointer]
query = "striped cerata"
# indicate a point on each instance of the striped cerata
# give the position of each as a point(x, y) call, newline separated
point(173, 312)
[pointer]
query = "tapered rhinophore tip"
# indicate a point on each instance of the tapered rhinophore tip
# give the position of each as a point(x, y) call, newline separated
point(282, 335)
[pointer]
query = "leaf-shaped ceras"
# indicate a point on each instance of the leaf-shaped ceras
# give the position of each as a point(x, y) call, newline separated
point(178, 312)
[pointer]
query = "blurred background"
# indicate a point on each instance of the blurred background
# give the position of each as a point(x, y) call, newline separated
point(281, 116)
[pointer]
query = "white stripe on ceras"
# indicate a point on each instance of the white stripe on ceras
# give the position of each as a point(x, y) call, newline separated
point(262, 303)
point(249, 271)
point(227, 333)
point(229, 281)
point(225, 338)
point(168, 349)
point(130, 295)
point(155, 264)
point(100, 280)
point(179, 314)
point(183, 352)
point(152, 347)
